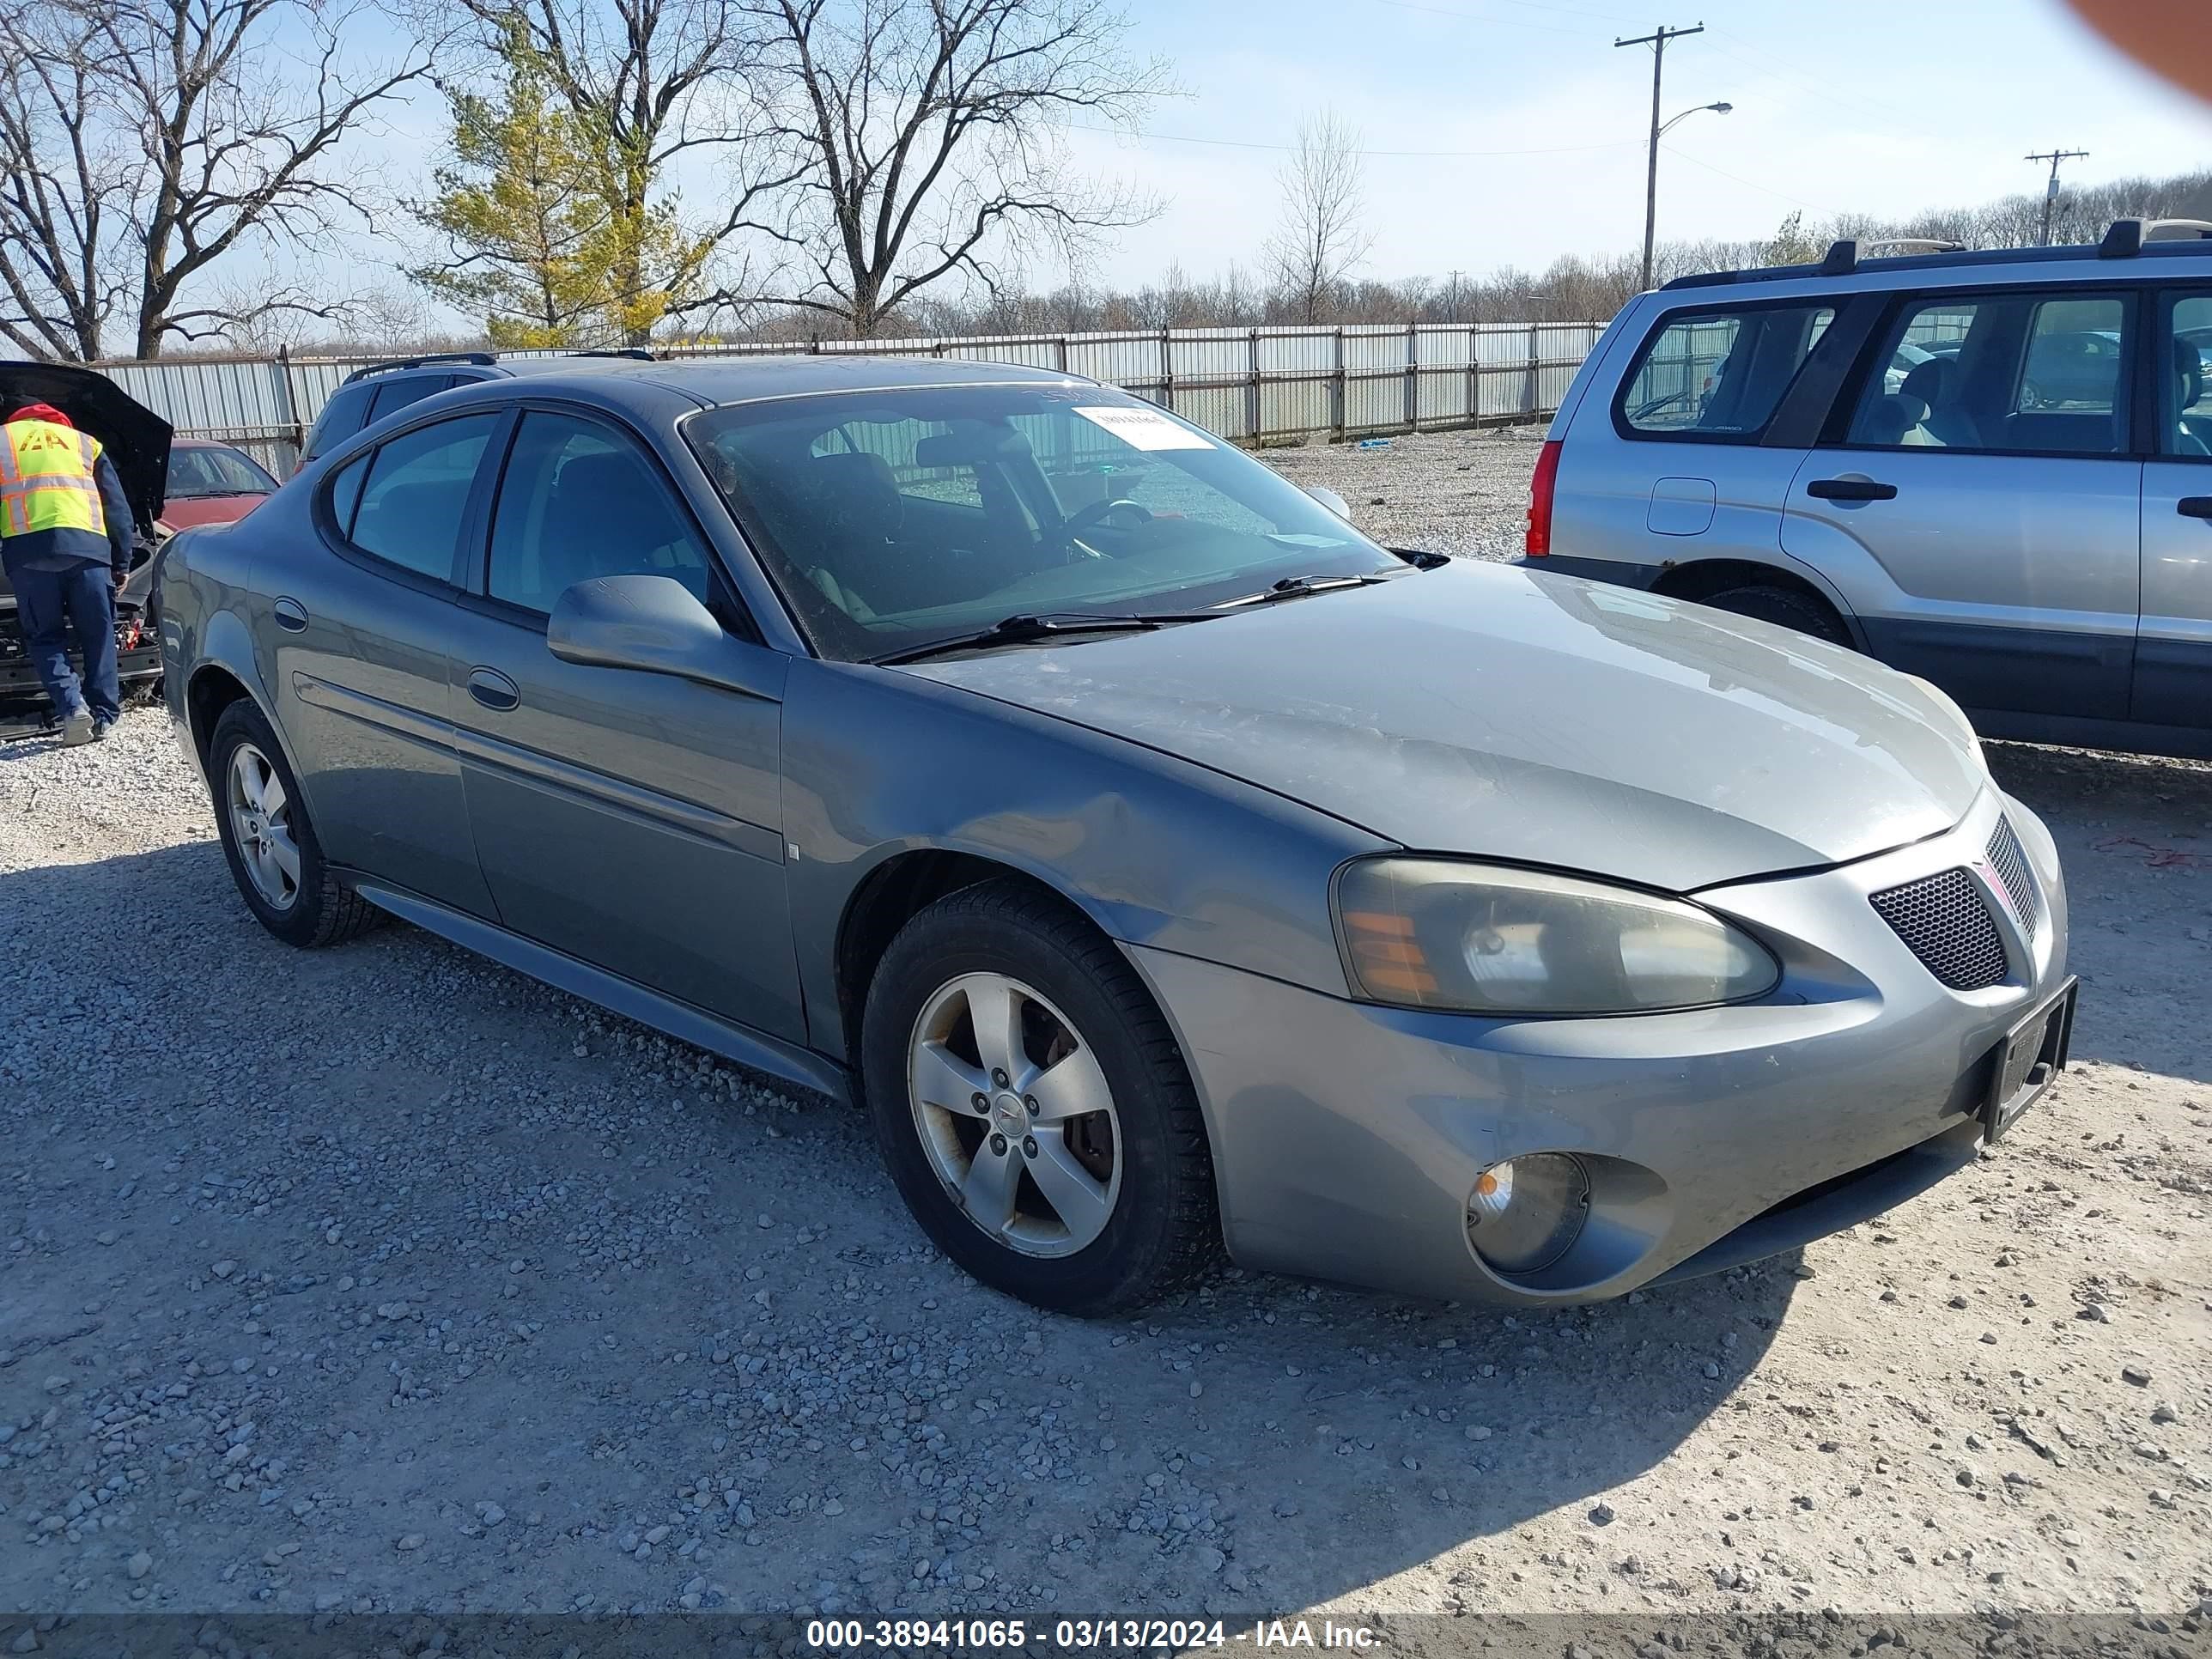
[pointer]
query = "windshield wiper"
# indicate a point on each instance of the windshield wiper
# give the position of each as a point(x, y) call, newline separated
point(1026, 629)
point(1296, 587)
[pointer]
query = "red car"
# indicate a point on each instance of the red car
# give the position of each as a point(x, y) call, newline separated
point(211, 483)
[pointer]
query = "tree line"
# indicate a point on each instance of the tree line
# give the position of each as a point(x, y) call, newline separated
point(621, 172)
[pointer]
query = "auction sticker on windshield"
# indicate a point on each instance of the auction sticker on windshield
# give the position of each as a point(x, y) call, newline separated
point(1144, 428)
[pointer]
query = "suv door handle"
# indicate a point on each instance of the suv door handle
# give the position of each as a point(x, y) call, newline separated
point(2194, 506)
point(291, 616)
point(1851, 489)
point(493, 690)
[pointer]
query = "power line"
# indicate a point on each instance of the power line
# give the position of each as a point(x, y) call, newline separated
point(1751, 184)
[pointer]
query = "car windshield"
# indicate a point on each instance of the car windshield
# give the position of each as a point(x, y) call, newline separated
point(894, 520)
point(214, 472)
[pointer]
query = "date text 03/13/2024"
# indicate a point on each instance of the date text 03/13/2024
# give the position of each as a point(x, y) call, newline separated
point(1078, 1635)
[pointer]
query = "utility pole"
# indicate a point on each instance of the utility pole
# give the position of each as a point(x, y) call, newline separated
point(1657, 41)
point(2051, 196)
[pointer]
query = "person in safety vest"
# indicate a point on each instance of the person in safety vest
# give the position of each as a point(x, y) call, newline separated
point(65, 539)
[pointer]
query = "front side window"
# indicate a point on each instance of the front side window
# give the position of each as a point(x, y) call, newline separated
point(415, 493)
point(577, 501)
point(2186, 354)
point(896, 518)
point(1719, 376)
point(2017, 373)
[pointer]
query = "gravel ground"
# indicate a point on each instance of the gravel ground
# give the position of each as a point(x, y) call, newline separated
point(380, 1278)
point(1462, 493)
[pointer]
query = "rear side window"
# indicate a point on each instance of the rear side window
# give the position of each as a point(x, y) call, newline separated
point(2019, 373)
point(416, 493)
point(402, 390)
point(345, 414)
point(1718, 376)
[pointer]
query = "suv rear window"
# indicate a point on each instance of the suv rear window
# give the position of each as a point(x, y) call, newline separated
point(1718, 376)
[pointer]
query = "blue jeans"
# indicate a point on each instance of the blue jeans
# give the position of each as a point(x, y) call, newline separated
point(50, 606)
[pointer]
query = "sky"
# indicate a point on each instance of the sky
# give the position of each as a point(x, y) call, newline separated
point(1877, 106)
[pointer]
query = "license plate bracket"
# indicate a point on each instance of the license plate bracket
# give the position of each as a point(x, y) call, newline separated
point(2033, 1054)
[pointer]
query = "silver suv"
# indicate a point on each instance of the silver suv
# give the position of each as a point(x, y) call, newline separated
point(1992, 470)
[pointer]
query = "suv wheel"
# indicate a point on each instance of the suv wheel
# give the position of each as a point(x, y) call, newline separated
point(1766, 602)
point(274, 856)
point(1032, 1105)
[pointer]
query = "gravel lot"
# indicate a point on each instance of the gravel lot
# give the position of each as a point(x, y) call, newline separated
point(380, 1278)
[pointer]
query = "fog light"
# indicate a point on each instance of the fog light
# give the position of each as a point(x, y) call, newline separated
point(1525, 1214)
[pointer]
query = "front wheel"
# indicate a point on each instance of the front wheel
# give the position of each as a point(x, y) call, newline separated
point(1032, 1106)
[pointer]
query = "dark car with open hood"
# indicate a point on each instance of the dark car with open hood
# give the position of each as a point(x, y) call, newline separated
point(137, 440)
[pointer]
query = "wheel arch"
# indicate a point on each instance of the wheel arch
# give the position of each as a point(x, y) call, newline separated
point(217, 682)
point(893, 892)
point(1701, 579)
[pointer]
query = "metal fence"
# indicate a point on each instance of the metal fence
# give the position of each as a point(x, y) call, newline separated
point(1252, 386)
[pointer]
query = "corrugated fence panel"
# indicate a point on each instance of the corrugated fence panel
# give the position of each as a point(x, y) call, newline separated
point(1253, 385)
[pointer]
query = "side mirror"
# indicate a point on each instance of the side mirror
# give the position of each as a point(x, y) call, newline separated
point(650, 623)
point(1329, 499)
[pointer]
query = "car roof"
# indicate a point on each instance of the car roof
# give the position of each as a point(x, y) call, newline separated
point(716, 381)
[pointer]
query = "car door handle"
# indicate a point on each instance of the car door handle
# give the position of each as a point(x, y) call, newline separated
point(493, 690)
point(291, 616)
point(1851, 489)
point(2194, 506)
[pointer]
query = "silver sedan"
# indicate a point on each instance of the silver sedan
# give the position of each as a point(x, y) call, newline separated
point(1162, 865)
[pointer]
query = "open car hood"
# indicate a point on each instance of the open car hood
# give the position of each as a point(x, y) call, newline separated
point(134, 436)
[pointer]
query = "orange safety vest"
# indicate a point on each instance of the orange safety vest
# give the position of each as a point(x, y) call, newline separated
point(47, 481)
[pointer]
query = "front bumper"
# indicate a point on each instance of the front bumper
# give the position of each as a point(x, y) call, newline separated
point(1346, 1137)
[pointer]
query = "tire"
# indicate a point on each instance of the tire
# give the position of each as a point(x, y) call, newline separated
point(1074, 995)
point(318, 909)
point(1766, 602)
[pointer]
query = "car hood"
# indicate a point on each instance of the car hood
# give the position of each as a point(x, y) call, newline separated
point(1492, 710)
point(134, 436)
point(183, 511)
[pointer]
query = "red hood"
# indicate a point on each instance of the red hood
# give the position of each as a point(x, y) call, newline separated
point(183, 512)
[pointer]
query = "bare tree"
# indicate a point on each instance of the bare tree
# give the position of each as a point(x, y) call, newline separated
point(923, 145)
point(146, 140)
point(65, 187)
point(1321, 237)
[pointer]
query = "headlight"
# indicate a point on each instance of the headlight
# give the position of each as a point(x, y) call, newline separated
point(1485, 938)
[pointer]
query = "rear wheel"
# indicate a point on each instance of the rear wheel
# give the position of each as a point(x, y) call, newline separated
point(1033, 1107)
point(1768, 602)
point(268, 841)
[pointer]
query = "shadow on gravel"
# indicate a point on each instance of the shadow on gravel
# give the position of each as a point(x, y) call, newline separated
point(2134, 838)
point(486, 1250)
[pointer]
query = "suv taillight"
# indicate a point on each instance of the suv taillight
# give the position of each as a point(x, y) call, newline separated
point(1539, 542)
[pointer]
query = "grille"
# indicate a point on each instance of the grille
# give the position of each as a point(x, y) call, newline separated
point(1943, 920)
point(2010, 862)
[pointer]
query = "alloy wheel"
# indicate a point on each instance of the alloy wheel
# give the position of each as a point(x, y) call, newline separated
point(1015, 1115)
point(261, 825)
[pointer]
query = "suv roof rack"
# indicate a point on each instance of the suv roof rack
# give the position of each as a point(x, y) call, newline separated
point(1843, 257)
point(2126, 237)
point(483, 358)
point(640, 352)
